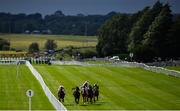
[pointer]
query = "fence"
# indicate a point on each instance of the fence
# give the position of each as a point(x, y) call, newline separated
point(57, 105)
point(159, 70)
point(9, 62)
point(151, 68)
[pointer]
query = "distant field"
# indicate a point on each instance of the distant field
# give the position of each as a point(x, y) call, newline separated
point(22, 41)
point(120, 88)
point(13, 90)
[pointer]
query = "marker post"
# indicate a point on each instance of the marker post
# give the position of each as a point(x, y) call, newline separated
point(30, 94)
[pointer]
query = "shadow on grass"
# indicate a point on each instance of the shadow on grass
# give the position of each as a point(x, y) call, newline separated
point(94, 104)
point(98, 103)
point(69, 104)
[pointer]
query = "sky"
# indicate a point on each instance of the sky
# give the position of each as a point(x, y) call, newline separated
point(87, 7)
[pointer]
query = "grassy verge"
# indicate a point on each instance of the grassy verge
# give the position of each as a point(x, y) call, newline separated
point(177, 68)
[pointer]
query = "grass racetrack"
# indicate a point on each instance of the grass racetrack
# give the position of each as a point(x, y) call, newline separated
point(13, 90)
point(120, 88)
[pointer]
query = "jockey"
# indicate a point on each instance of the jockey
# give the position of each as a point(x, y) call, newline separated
point(86, 84)
point(77, 88)
point(61, 93)
point(61, 88)
point(85, 87)
point(96, 86)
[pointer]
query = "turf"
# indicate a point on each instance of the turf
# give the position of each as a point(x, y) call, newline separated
point(120, 88)
point(177, 68)
point(22, 41)
point(13, 90)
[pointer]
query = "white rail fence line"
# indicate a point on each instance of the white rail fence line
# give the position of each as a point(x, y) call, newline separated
point(57, 105)
point(125, 64)
point(152, 68)
point(8, 62)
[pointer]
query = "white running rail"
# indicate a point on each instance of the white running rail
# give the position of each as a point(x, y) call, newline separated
point(57, 105)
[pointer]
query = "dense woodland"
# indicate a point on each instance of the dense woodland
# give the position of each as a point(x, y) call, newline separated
point(150, 33)
point(56, 23)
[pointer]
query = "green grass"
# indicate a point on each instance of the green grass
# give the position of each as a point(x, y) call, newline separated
point(22, 41)
point(177, 68)
point(120, 88)
point(13, 90)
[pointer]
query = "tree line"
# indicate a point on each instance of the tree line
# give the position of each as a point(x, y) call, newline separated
point(150, 33)
point(57, 23)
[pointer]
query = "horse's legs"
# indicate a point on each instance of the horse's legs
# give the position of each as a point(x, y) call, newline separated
point(77, 100)
point(87, 99)
point(91, 100)
point(94, 97)
point(84, 99)
point(63, 100)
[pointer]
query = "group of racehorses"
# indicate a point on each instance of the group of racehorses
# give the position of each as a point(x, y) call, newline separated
point(89, 93)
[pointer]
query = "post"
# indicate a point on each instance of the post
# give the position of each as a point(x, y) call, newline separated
point(29, 103)
point(131, 56)
point(30, 94)
point(17, 70)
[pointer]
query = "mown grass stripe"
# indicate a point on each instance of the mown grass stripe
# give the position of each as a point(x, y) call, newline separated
point(127, 90)
point(158, 94)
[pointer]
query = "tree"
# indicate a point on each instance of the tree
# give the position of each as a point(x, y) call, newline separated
point(112, 36)
point(141, 27)
point(156, 36)
point(50, 45)
point(173, 39)
point(57, 22)
point(34, 47)
point(4, 44)
point(59, 13)
point(137, 31)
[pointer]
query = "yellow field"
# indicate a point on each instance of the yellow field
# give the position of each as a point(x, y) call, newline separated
point(22, 41)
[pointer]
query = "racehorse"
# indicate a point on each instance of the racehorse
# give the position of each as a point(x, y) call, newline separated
point(61, 94)
point(90, 94)
point(84, 93)
point(95, 92)
point(76, 94)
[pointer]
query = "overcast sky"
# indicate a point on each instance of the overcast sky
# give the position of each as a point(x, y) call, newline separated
point(73, 7)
